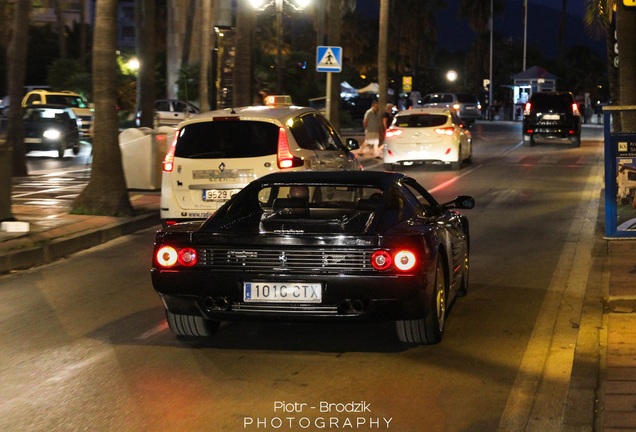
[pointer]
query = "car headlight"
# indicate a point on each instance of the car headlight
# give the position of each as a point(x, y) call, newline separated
point(52, 134)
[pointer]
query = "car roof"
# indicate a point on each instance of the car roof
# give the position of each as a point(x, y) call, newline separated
point(257, 112)
point(426, 110)
point(373, 178)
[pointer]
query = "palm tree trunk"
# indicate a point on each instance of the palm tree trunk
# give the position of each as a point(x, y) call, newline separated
point(106, 192)
point(242, 82)
point(146, 82)
point(383, 76)
point(16, 77)
point(204, 69)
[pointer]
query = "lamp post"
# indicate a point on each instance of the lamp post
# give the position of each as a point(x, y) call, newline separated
point(278, 4)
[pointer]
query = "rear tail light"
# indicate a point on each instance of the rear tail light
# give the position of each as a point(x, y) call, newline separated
point(390, 132)
point(575, 108)
point(285, 157)
point(402, 260)
point(449, 131)
point(526, 109)
point(168, 161)
point(168, 257)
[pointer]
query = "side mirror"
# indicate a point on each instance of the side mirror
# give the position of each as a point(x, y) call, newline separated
point(461, 202)
point(352, 144)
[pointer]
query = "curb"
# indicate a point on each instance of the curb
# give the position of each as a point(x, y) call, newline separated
point(48, 252)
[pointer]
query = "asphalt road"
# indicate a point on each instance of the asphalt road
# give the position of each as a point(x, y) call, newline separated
point(85, 346)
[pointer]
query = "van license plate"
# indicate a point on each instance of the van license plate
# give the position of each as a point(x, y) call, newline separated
point(218, 194)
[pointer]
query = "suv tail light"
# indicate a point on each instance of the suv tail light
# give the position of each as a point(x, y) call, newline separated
point(285, 158)
point(526, 109)
point(168, 161)
point(575, 108)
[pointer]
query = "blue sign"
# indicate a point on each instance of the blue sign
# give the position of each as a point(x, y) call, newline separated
point(328, 59)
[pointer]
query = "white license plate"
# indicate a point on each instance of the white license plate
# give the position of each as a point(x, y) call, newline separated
point(293, 292)
point(218, 194)
point(33, 140)
point(551, 117)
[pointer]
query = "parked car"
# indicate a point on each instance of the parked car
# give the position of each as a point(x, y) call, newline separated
point(51, 127)
point(326, 246)
point(171, 112)
point(82, 109)
point(467, 105)
point(215, 154)
point(421, 135)
point(551, 115)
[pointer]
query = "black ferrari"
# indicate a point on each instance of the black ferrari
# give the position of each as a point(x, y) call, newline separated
point(318, 246)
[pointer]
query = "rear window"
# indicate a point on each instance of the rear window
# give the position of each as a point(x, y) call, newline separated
point(308, 208)
point(420, 120)
point(560, 102)
point(466, 98)
point(227, 139)
point(70, 101)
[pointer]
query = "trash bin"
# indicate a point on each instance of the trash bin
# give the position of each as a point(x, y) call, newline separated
point(142, 152)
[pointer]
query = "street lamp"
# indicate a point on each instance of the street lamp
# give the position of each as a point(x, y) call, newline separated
point(297, 5)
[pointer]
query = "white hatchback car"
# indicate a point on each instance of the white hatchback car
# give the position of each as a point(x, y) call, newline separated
point(215, 154)
point(427, 135)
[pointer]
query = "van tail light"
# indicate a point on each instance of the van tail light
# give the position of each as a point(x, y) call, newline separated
point(445, 131)
point(402, 260)
point(526, 109)
point(285, 157)
point(168, 161)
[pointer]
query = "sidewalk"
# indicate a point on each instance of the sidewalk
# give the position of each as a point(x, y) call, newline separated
point(54, 234)
point(602, 394)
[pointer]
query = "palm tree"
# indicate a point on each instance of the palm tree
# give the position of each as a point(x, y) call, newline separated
point(383, 42)
point(599, 18)
point(146, 80)
point(204, 54)
point(242, 88)
point(16, 77)
point(106, 192)
point(15, 134)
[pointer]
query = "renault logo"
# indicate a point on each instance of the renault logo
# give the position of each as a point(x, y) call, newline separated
point(221, 166)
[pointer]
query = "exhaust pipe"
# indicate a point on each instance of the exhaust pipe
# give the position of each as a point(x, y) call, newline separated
point(352, 306)
point(219, 303)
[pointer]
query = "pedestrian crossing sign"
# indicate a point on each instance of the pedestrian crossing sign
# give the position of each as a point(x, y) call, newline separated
point(328, 59)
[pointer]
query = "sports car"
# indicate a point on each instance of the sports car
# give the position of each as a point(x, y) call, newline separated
point(318, 246)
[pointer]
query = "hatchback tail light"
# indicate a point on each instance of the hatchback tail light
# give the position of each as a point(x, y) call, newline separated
point(285, 157)
point(391, 132)
point(445, 131)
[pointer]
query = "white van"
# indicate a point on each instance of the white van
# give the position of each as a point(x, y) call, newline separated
point(215, 154)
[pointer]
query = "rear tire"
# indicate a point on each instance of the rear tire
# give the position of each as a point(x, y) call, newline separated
point(528, 140)
point(430, 329)
point(457, 165)
point(191, 325)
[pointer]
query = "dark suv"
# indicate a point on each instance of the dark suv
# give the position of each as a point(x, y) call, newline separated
point(551, 115)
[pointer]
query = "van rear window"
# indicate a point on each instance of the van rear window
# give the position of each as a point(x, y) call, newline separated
point(227, 139)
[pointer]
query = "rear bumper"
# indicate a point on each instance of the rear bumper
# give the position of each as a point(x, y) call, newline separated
point(344, 298)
